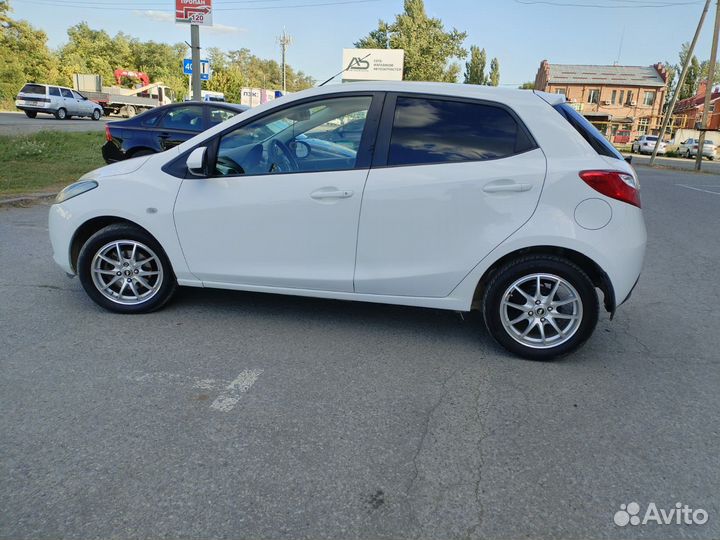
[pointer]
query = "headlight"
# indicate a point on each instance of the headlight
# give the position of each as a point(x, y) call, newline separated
point(73, 190)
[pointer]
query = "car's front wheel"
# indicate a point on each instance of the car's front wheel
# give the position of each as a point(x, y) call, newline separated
point(96, 114)
point(540, 306)
point(123, 269)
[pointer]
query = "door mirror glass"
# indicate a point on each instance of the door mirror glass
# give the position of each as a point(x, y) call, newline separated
point(301, 149)
point(196, 161)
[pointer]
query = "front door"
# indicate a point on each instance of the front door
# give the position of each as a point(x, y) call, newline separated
point(281, 207)
point(456, 179)
point(69, 102)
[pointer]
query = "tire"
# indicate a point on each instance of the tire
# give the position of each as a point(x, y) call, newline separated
point(61, 114)
point(129, 111)
point(560, 281)
point(141, 287)
point(96, 115)
point(31, 114)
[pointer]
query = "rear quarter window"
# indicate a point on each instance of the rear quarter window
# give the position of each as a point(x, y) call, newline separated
point(33, 89)
point(588, 131)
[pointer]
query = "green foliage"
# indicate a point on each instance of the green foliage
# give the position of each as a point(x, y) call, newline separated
point(530, 85)
point(429, 49)
point(494, 77)
point(475, 68)
point(47, 161)
point(25, 57)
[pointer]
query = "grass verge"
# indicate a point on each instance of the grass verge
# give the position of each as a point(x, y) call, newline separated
point(46, 161)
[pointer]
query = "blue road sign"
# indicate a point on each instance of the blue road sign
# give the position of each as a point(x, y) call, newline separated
point(204, 68)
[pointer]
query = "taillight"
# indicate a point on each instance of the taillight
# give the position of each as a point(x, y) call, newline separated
point(695, 147)
point(108, 136)
point(614, 184)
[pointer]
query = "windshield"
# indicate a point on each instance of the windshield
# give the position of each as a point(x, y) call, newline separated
point(650, 138)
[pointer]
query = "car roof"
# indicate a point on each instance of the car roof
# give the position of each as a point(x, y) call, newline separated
point(474, 91)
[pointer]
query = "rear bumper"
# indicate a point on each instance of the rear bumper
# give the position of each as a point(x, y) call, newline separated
point(111, 153)
point(34, 108)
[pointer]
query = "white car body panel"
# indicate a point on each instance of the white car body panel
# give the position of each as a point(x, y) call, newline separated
point(267, 234)
point(423, 228)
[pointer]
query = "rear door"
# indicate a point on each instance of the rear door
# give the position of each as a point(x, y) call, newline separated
point(451, 180)
point(180, 124)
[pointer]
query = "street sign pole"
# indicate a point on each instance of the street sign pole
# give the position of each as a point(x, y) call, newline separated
point(195, 54)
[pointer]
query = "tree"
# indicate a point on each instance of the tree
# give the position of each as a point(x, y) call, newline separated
point(429, 49)
point(689, 88)
point(475, 68)
point(530, 85)
point(494, 77)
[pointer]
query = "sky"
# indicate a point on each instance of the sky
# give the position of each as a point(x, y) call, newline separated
point(520, 33)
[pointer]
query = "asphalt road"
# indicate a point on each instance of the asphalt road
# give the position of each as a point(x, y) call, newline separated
point(13, 123)
point(238, 415)
point(678, 163)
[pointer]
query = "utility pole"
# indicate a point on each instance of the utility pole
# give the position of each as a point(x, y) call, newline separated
point(708, 88)
point(195, 55)
point(686, 64)
point(285, 40)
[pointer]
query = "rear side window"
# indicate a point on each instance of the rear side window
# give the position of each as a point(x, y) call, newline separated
point(444, 131)
point(588, 131)
point(33, 89)
point(54, 91)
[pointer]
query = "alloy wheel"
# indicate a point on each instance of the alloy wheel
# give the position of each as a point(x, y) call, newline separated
point(127, 272)
point(541, 311)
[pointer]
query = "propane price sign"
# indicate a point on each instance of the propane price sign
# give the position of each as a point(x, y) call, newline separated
point(194, 12)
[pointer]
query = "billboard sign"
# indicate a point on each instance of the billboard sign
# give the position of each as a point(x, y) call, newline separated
point(256, 96)
point(194, 12)
point(373, 64)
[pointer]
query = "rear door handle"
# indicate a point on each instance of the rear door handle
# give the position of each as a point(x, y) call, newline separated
point(335, 194)
point(500, 186)
point(164, 136)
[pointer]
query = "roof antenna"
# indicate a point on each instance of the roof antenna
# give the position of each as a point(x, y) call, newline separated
point(622, 38)
point(351, 64)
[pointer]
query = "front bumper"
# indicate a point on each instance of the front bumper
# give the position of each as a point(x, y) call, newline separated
point(62, 228)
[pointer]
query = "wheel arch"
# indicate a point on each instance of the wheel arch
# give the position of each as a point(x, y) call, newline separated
point(90, 227)
point(597, 275)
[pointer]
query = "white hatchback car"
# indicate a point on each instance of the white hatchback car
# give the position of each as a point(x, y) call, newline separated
point(454, 197)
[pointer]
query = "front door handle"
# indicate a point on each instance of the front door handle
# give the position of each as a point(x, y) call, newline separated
point(500, 186)
point(334, 194)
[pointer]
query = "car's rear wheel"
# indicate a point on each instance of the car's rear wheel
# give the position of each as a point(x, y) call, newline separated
point(96, 115)
point(123, 269)
point(31, 114)
point(540, 306)
point(61, 114)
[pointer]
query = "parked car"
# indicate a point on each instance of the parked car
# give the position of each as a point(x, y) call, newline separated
point(646, 145)
point(162, 128)
point(689, 149)
point(59, 101)
point(459, 197)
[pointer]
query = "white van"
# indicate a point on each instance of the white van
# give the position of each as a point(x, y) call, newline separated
point(62, 102)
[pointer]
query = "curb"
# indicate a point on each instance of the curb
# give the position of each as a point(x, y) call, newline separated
point(24, 201)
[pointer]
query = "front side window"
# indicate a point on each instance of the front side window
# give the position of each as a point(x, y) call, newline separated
point(66, 93)
point(429, 131)
point(78, 95)
point(649, 99)
point(594, 96)
point(319, 136)
point(185, 118)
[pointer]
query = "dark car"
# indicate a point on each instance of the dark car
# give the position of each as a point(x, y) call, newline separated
point(163, 127)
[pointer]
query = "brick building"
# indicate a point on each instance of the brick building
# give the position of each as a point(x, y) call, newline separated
point(623, 102)
point(688, 112)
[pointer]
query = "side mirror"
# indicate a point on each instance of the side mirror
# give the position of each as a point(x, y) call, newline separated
point(196, 161)
point(629, 159)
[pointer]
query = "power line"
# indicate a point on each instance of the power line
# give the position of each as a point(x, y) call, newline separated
point(135, 7)
point(645, 5)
